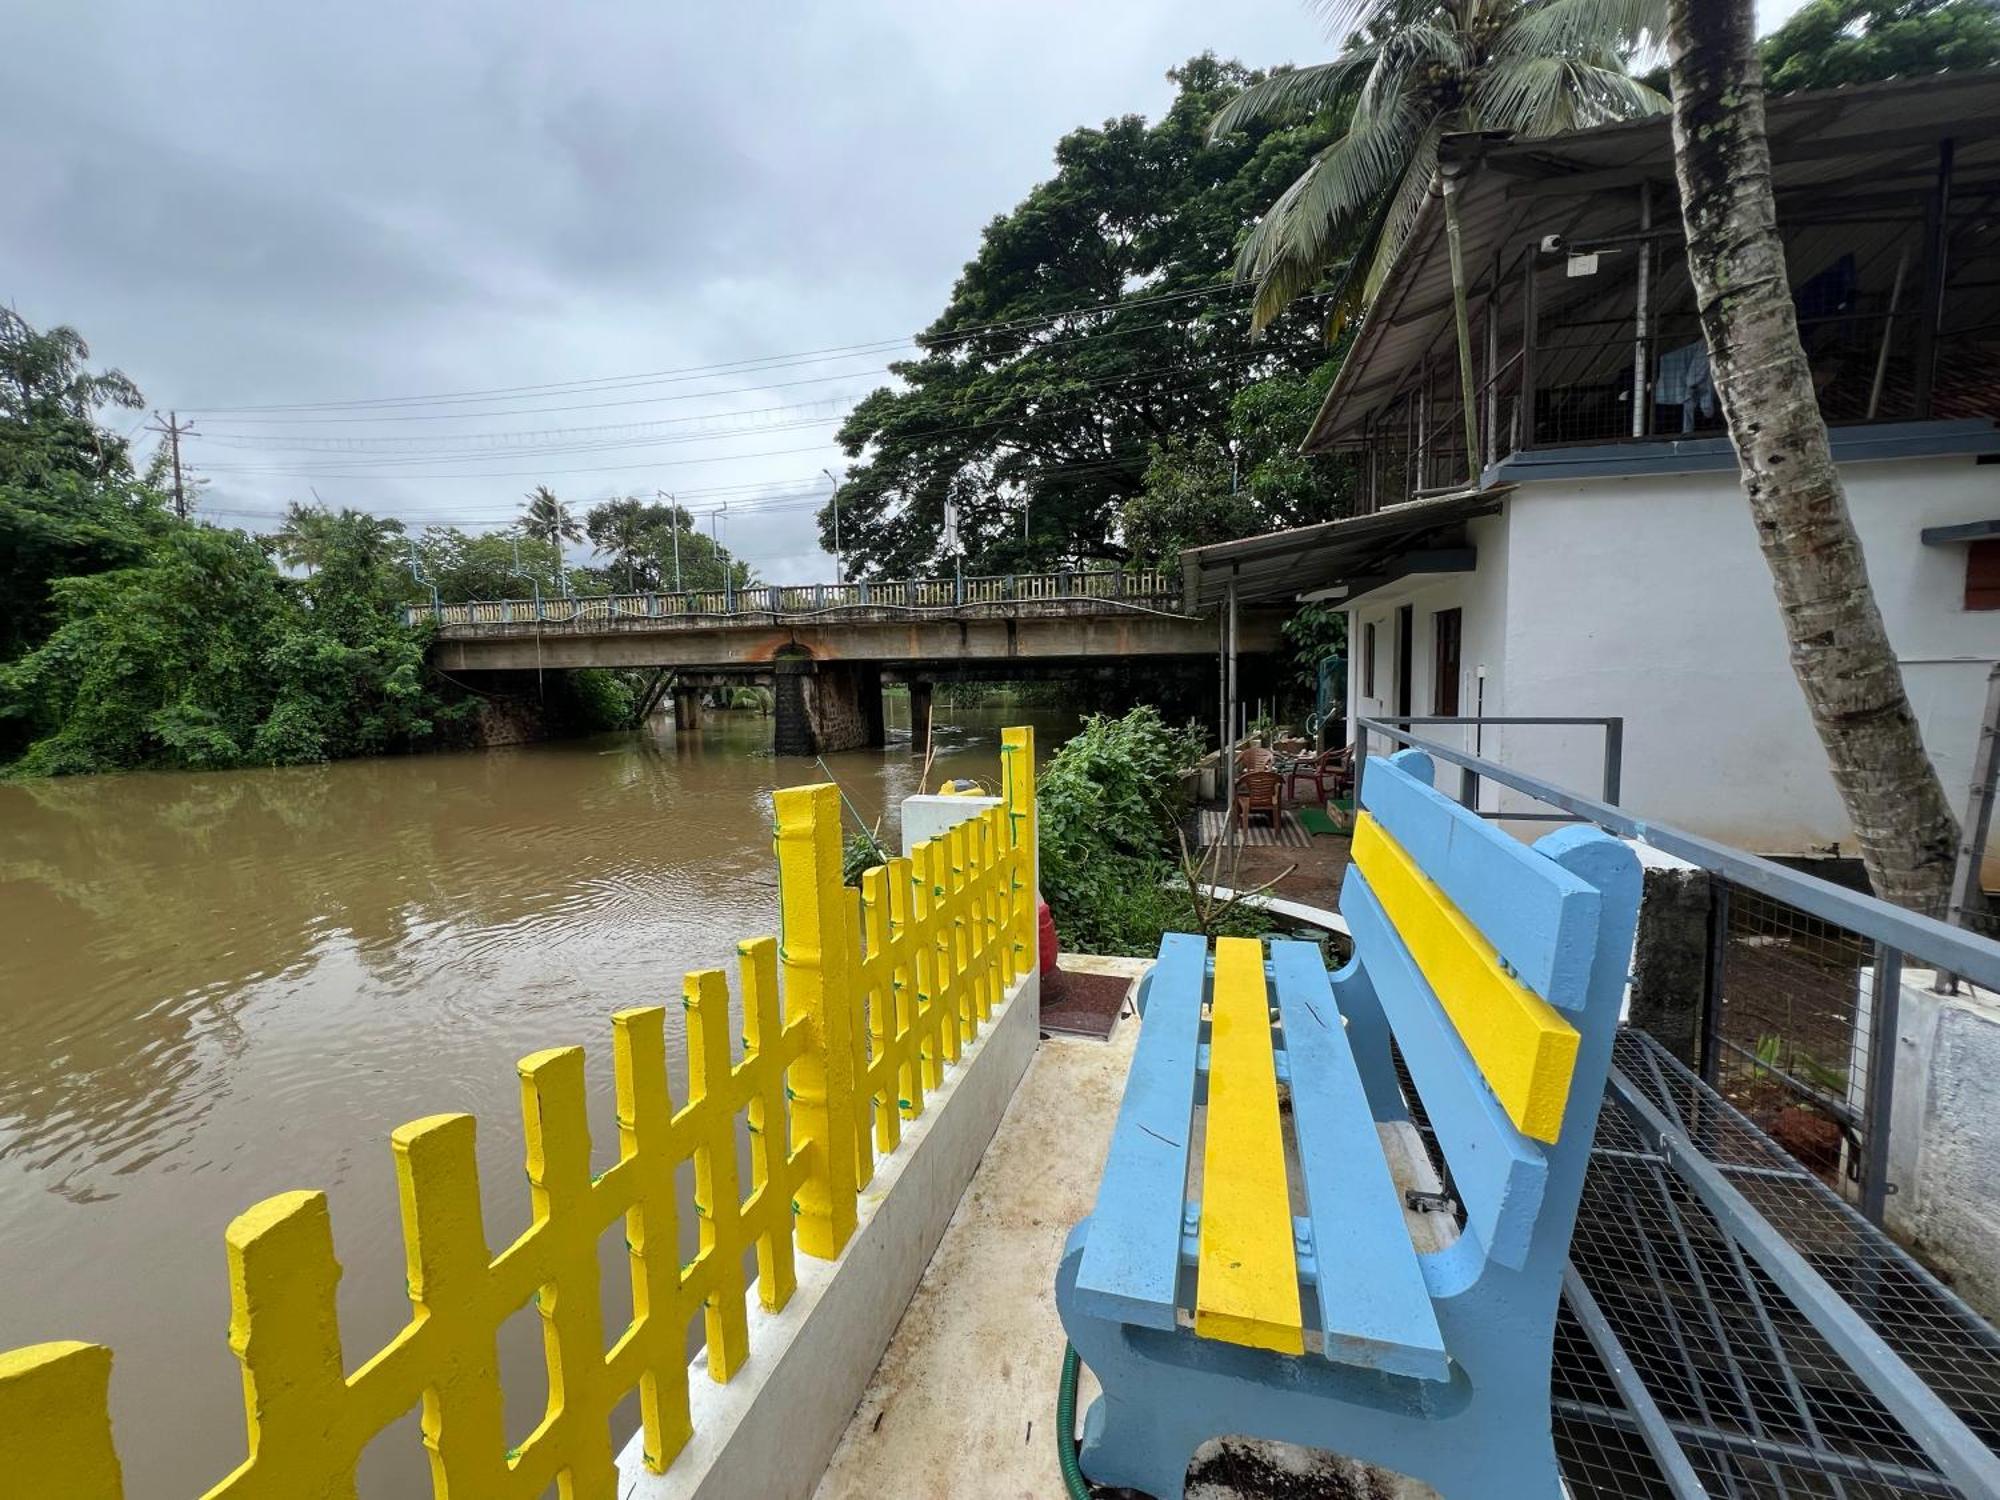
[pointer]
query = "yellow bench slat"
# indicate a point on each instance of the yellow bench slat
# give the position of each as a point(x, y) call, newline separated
point(1523, 1046)
point(1247, 1281)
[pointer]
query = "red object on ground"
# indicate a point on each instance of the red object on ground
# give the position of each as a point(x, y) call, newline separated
point(1049, 950)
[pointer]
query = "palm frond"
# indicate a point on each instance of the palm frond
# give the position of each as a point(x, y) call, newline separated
point(1344, 17)
point(1547, 95)
point(1421, 46)
point(1566, 28)
point(1400, 217)
point(1295, 92)
point(1310, 218)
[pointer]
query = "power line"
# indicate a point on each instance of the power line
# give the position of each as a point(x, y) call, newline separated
point(694, 372)
point(363, 458)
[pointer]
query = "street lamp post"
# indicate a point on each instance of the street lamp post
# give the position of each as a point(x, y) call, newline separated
point(674, 509)
point(837, 577)
point(715, 538)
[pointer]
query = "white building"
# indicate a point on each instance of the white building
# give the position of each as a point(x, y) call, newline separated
point(1598, 558)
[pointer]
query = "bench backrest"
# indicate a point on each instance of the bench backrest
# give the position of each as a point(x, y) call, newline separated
point(1499, 968)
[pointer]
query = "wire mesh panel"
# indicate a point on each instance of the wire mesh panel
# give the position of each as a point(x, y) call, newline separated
point(1790, 1035)
point(1750, 1389)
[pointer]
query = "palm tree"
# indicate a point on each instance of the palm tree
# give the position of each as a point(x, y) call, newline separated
point(624, 528)
point(1841, 653)
point(547, 519)
point(1413, 72)
point(303, 539)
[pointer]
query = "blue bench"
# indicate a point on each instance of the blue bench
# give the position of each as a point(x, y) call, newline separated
point(1233, 1281)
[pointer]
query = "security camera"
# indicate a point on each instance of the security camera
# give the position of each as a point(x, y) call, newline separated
point(1552, 244)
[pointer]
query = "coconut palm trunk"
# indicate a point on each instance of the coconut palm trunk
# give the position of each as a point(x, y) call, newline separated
point(1839, 648)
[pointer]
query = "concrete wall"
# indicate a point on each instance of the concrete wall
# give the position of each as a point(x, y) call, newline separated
point(1944, 1135)
point(1648, 597)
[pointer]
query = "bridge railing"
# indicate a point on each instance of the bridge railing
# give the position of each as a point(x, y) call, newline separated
point(1150, 588)
point(882, 991)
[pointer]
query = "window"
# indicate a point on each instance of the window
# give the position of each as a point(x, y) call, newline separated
point(1447, 630)
point(1982, 574)
point(1368, 660)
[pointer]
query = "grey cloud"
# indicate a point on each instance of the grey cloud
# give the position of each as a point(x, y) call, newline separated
point(243, 203)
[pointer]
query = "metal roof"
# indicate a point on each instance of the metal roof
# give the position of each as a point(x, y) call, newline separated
point(1869, 141)
point(1284, 564)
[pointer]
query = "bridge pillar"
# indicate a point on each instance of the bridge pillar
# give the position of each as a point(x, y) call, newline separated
point(687, 710)
point(791, 723)
point(823, 706)
point(920, 717)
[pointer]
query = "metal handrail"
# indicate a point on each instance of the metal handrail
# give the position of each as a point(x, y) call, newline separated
point(1140, 587)
point(1965, 953)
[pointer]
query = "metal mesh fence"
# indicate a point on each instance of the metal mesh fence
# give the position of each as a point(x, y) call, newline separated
point(1747, 1388)
point(1789, 1044)
point(1757, 1398)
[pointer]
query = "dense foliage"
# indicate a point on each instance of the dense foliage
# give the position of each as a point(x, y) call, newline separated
point(129, 637)
point(1110, 803)
point(1833, 42)
point(1095, 325)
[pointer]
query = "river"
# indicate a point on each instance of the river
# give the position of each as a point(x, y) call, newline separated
point(225, 985)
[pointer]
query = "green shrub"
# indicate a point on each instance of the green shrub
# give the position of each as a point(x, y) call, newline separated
point(1111, 800)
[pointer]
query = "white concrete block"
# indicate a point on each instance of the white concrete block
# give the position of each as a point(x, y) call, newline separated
point(927, 817)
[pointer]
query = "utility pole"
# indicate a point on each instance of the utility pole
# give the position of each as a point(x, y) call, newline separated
point(173, 430)
point(836, 524)
point(674, 506)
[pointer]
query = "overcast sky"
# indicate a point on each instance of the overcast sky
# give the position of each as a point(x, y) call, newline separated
point(254, 205)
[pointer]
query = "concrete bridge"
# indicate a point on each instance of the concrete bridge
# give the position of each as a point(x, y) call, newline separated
point(827, 649)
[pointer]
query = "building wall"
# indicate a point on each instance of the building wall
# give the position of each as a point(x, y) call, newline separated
point(1481, 595)
point(1647, 597)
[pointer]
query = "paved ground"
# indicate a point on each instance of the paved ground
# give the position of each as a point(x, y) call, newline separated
point(963, 1403)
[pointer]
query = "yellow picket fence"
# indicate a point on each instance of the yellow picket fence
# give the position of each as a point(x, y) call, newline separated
point(882, 991)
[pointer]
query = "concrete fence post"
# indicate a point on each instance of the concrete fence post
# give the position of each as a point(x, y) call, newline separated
point(816, 949)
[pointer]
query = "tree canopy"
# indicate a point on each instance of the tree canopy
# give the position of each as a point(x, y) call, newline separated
point(1833, 42)
point(1096, 322)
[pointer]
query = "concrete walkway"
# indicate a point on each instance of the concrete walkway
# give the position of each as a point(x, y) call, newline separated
point(963, 1403)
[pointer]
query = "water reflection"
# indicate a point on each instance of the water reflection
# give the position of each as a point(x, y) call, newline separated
point(223, 986)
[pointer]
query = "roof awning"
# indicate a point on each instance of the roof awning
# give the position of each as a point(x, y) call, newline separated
point(1285, 564)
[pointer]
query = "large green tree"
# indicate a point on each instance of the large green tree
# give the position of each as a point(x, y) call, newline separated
point(1833, 42)
point(70, 503)
point(1031, 422)
point(1412, 72)
point(1201, 490)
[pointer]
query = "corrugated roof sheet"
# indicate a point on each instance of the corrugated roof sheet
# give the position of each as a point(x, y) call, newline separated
point(1284, 564)
point(1864, 140)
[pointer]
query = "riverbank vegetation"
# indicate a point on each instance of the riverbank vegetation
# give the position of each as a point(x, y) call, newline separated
point(132, 636)
point(1110, 804)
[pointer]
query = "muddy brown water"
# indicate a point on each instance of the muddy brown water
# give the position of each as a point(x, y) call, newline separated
point(222, 986)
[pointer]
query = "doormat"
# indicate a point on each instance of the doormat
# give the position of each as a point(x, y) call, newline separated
point(1316, 820)
point(1082, 1004)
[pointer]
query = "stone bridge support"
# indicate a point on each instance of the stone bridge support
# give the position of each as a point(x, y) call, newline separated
point(823, 706)
point(687, 709)
point(920, 717)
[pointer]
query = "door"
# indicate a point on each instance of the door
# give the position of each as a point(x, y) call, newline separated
point(1406, 651)
point(1447, 631)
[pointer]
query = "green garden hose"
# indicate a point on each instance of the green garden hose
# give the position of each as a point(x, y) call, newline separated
point(1074, 1484)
